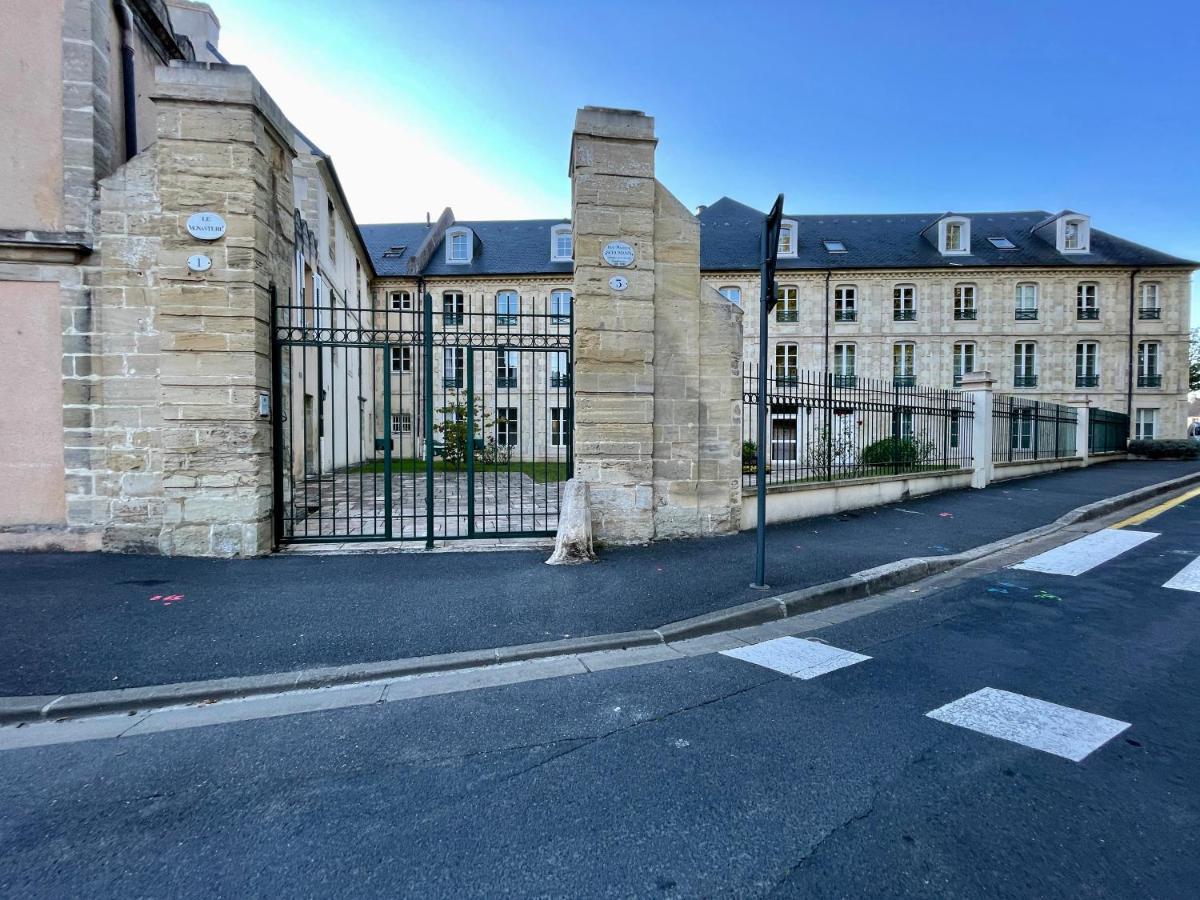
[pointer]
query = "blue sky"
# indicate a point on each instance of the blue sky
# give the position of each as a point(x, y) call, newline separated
point(844, 107)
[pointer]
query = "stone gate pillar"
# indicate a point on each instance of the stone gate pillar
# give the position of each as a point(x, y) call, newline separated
point(657, 355)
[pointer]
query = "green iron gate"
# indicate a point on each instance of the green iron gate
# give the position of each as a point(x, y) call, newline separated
point(439, 419)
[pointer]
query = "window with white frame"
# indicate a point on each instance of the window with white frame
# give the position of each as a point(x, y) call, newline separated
point(401, 300)
point(453, 306)
point(1149, 308)
point(964, 302)
point(843, 364)
point(402, 423)
point(845, 303)
point(1027, 301)
point(903, 427)
point(1087, 364)
point(508, 307)
point(788, 235)
point(560, 307)
point(508, 365)
point(1021, 428)
point(732, 294)
point(1149, 358)
point(904, 362)
point(1086, 300)
point(1074, 234)
point(401, 359)
point(453, 365)
point(560, 425)
point(783, 438)
point(1025, 372)
point(1146, 425)
point(964, 360)
point(787, 363)
point(507, 419)
point(786, 310)
point(904, 302)
point(955, 235)
point(561, 244)
point(560, 376)
point(459, 245)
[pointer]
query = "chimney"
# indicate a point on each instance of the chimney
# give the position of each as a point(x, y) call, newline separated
point(427, 220)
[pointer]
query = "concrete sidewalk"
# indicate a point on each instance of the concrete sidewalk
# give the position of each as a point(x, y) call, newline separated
point(76, 623)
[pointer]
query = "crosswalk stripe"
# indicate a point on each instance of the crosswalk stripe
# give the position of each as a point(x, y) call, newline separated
point(1187, 578)
point(1086, 553)
point(796, 657)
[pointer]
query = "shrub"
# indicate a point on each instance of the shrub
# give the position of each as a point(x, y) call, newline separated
point(1176, 449)
point(749, 453)
point(889, 451)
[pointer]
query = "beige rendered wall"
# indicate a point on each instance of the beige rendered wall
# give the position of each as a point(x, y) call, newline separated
point(31, 466)
point(31, 109)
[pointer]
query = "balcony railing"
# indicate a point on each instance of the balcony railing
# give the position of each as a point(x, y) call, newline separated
point(452, 318)
point(785, 315)
point(1149, 312)
point(965, 314)
point(506, 319)
point(560, 380)
point(1150, 381)
point(1087, 314)
point(845, 315)
point(844, 381)
point(904, 315)
point(1025, 381)
point(1087, 380)
point(787, 380)
point(452, 381)
point(904, 380)
point(1026, 315)
point(506, 382)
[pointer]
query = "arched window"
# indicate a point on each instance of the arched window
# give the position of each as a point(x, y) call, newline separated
point(731, 293)
point(562, 247)
point(845, 303)
point(1025, 364)
point(844, 365)
point(787, 363)
point(1087, 364)
point(786, 309)
point(788, 237)
point(1087, 305)
point(964, 302)
point(460, 243)
point(964, 360)
point(904, 303)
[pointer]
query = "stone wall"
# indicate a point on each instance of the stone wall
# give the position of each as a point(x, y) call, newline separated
point(655, 374)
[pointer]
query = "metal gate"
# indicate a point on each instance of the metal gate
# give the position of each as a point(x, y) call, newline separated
point(422, 423)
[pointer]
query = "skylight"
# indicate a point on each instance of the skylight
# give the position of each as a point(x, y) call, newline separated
point(835, 246)
point(1002, 243)
point(398, 250)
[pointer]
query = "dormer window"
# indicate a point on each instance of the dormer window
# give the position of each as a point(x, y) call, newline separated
point(787, 238)
point(459, 245)
point(954, 235)
point(1074, 234)
point(561, 245)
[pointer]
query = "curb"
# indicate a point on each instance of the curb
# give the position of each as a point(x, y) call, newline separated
point(866, 583)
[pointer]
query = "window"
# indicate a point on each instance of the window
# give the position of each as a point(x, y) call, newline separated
point(508, 364)
point(787, 369)
point(1025, 364)
point(561, 244)
point(783, 438)
point(902, 423)
point(732, 294)
point(506, 426)
point(402, 423)
point(452, 307)
point(904, 302)
point(1149, 308)
point(1002, 243)
point(787, 238)
point(904, 358)
point(459, 245)
point(964, 360)
point(1087, 361)
point(1027, 301)
point(331, 222)
point(1021, 428)
point(954, 425)
point(452, 370)
point(1146, 425)
point(402, 359)
point(785, 310)
point(560, 307)
point(845, 303)
point(835, 246)
point(954, 235)
point(1075, 235)
point(560, 375)
point(1148, 359)
point(1086, 306)
point(843, 365)
point(560, 425)
point(964, 302)
point(508, 306)
point(400, 300)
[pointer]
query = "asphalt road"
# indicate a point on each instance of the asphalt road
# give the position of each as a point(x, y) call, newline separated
point(706, 776)
point(84, 622)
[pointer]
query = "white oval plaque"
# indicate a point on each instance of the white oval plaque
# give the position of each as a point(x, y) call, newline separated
point(199, 263)
point(618, 253)
point(206, 226)
point(618, 282)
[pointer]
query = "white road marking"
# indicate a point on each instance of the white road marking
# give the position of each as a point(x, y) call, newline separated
point(1187, 578)
point(1061, 730)
point(796, 656)
point(1086, 553)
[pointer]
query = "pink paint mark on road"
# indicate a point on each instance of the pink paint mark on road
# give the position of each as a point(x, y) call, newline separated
point(166, 599)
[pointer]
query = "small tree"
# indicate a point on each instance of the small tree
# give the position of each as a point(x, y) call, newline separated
point(1194, 360)
point(453, 429)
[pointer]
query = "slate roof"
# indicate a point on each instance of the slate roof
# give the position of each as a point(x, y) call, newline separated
point(516, 247)
point(729, 240)
point(729, 237)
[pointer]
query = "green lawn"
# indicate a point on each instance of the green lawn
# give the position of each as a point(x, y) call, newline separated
point(540, 471)
point(786, 475)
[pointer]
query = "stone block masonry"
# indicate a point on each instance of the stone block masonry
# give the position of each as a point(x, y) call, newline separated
point(656, 372)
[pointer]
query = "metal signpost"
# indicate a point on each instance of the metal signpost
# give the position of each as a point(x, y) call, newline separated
point(766, 302)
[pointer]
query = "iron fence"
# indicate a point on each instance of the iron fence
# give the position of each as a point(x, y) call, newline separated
point(1024, 429)
point(825, 427)
point(1108, 431)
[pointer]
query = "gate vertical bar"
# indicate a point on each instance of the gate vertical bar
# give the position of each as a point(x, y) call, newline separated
point(277, 350)
point(471, 442)
point(427, 348)
point(387, 441)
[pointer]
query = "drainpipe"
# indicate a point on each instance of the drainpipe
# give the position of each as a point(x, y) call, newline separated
point(128, 86)
point(828, 275)
point(1129, 381)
